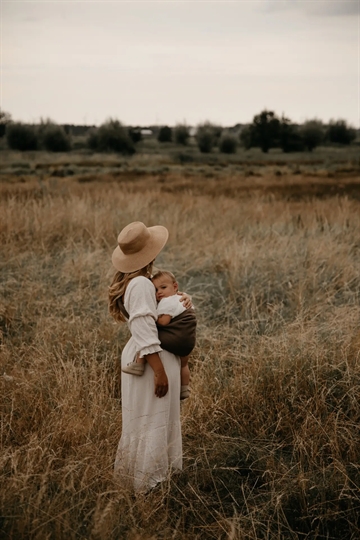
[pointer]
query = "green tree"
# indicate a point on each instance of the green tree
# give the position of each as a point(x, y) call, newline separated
point(165, 134)
point(290, 138)
point(265, 130)
point(181, 134)
point(339, 132)
point(312, 133)
point(111, 136)
point(21, 136)
point(5, 119)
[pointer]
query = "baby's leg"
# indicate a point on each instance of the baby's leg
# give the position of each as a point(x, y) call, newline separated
point(185, 377)
point(140, 360)
point(185, 371)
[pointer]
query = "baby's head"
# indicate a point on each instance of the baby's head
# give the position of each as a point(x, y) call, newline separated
point(165, 284)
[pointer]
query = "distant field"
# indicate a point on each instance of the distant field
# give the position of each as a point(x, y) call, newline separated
point(269, 248)
point(165, 167)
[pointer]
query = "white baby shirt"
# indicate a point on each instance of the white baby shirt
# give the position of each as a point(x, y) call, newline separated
point(171, 305)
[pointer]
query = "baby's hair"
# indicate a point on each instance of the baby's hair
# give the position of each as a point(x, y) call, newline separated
point(164, 273)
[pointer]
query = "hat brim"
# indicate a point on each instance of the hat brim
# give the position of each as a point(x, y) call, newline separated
point(133, 262)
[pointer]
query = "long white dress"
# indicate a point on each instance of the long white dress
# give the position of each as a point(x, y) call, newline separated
point(150, 443)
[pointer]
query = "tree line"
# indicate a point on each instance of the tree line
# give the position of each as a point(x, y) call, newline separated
point(269, 131)
point(266, 131)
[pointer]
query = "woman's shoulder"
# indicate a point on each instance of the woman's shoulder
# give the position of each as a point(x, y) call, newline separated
point(140, 283)
point(140, 296)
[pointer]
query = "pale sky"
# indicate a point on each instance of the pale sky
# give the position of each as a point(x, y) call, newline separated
point(163, 62)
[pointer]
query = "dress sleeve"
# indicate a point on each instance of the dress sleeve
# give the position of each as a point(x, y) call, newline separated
point(140, 303)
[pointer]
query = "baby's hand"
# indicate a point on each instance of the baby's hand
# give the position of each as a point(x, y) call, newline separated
point(186, 300)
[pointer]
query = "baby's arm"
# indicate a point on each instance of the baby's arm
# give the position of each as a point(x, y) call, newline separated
point(166, 309)
point(163, 320)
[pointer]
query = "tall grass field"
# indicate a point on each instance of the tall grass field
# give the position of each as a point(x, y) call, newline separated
point(271, 434)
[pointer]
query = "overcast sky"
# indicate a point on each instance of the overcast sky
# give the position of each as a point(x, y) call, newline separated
point(163, 62)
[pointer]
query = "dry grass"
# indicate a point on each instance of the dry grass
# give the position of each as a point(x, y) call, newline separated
point(271, 433)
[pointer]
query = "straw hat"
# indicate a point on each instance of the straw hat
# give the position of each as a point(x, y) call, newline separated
point(138, 246)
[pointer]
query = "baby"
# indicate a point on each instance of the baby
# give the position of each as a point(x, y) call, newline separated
point(169, 308)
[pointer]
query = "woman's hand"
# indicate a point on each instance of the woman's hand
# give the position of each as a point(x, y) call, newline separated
point(161, 383)
point(160, 378)
point(185, 299)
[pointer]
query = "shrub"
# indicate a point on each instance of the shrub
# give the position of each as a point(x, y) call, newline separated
point(228, 143)
point(135, 134)
point(339, 132)
point(181, 134)
point(312, 133)
point(21, 136)
point(205, 140)
point(207, 136)
point(111, 136)
point(54, 138)
point(165, 134)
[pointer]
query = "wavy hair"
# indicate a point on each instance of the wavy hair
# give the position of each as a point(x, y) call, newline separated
point(118, 287)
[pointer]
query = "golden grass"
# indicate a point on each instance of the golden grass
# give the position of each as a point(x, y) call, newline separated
point(271, 433)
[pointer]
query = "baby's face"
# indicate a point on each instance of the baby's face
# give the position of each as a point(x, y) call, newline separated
point(164, 287)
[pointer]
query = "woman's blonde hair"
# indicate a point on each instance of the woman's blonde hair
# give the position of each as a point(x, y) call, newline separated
point(118, 287)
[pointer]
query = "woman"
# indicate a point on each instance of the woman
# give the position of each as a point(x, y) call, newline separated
point(151, 442)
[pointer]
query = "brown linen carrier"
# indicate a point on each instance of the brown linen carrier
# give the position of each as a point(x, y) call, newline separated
point(177, 337)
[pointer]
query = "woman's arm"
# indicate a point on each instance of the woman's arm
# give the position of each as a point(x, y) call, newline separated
point(141, 305)
point(160, 377)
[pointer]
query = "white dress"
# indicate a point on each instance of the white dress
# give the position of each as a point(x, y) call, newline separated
point(150, 444)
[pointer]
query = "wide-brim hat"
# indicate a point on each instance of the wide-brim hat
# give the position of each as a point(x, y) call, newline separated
point(138, 246)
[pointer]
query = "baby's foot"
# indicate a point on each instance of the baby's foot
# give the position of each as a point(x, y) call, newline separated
point(136, 367)
point(185, 391)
